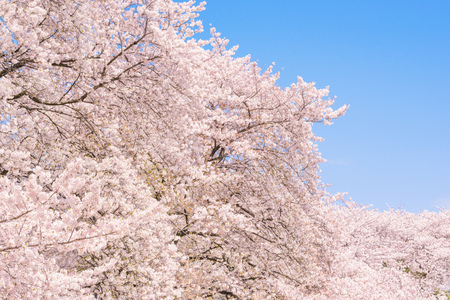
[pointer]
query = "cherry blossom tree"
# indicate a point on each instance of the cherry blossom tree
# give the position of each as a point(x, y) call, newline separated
point(217, 143)
point(138, 162)
point(92, 230)
point(394, 254)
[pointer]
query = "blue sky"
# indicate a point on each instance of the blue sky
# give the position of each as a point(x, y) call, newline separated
point(389, 60)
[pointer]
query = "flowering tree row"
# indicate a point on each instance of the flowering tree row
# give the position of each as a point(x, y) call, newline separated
point(137, 162)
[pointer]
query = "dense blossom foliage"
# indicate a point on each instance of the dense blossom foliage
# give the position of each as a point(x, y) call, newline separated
point(391, 255)
point(137, 162)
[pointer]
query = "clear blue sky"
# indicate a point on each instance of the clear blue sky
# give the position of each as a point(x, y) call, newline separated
point(390, 60)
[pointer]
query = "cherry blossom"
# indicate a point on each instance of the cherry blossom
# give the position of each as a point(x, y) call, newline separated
point(138, 162)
